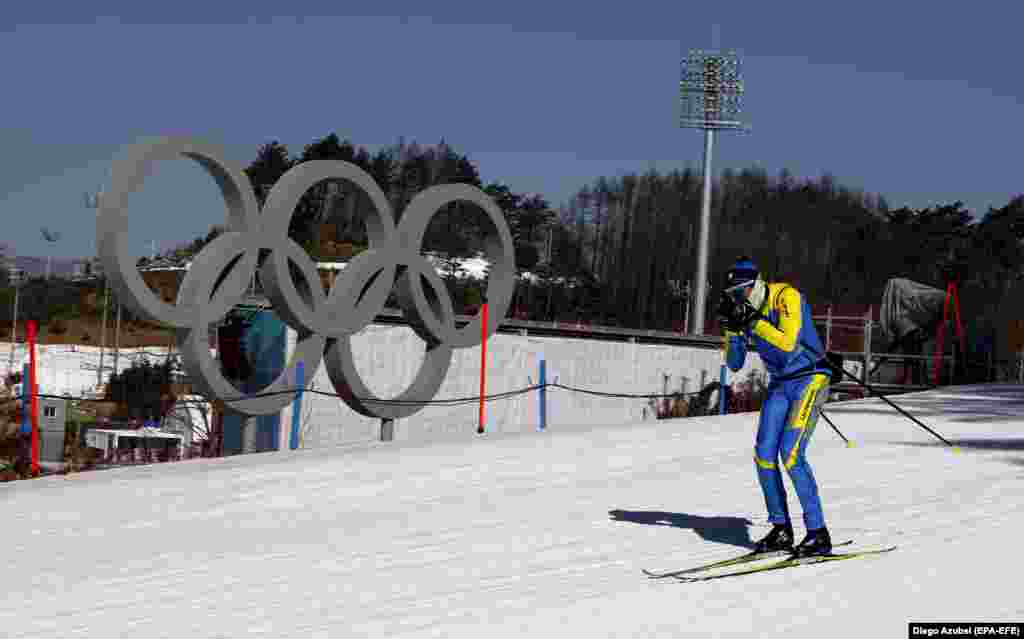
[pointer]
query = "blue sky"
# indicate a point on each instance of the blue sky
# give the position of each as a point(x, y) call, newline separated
point(919, 103)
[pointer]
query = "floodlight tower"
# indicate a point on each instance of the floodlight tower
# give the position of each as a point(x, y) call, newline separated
point(711, 92)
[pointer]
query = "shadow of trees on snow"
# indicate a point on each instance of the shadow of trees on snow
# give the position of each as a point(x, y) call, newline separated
point(993, 444)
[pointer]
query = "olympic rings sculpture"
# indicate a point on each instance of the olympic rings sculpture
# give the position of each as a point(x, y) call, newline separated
point(220, 273)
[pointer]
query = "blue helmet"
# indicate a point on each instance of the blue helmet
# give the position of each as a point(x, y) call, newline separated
point(742, 275)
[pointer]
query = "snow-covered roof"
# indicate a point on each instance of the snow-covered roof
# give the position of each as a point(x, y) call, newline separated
point(166, 264)
point(472, 267)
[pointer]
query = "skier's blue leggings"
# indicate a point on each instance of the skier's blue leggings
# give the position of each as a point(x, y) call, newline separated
point(788, 418)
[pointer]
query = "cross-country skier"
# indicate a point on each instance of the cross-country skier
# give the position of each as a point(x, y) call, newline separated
point(778, 320)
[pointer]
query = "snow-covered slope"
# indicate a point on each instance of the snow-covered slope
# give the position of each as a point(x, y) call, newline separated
point(71, 370)
point(538, 534)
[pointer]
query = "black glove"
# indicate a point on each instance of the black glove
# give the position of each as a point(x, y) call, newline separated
point(726, 308)
point(743, 317)
point(736, 317)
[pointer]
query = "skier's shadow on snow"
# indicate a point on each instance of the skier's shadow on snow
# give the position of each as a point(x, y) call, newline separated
point(724, 530)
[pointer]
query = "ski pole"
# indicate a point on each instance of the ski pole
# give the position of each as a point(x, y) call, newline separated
point(873, 391)
point(885, 399)
point(849, 444)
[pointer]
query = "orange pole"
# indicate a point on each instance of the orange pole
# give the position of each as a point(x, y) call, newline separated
point(35, 399)
point(483, 363)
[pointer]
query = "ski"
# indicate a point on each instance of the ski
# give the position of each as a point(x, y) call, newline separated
point(787, 563)
point(742, 559)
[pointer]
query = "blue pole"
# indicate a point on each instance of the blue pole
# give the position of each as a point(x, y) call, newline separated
point(543, 395)
point(26, 417)
point(721, 391)
point(300, 383)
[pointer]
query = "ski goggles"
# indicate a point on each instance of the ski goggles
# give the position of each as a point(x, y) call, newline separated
point(737, 282)
point(738, 293)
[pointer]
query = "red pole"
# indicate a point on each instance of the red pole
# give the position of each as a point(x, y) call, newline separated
point(34, 391)
point(483, 363)
point(959, 326)
point(940, 334)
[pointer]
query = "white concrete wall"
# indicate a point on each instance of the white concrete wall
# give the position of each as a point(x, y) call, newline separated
point(388, 357)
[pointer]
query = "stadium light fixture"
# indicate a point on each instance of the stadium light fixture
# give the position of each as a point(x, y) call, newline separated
point(711, 96)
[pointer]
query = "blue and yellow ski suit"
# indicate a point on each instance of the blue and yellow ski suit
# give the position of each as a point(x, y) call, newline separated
point(797, 389)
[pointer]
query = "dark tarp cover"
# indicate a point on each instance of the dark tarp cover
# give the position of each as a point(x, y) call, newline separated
point(908, 306)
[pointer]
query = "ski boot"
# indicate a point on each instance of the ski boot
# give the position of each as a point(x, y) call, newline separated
point(780, 538)
point(815, 544)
